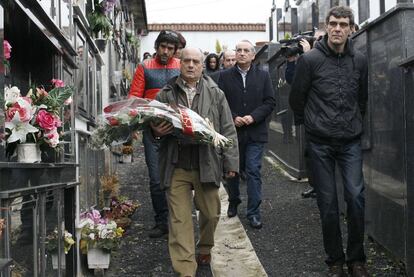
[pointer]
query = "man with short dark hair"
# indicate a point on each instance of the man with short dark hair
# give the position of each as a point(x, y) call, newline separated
point(249, 91)
point(194, 167)
point(150, 76)
point(329, 96)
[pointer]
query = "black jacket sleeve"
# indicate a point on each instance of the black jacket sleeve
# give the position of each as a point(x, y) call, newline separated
point(290, 71)
point(300, 88)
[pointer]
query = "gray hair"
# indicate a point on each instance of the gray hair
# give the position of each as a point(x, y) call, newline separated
point(251, 44)
point(198, 50)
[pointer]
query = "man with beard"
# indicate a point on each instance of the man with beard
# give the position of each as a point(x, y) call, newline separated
point(150, 76)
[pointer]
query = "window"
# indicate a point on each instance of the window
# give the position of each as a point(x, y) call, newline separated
point(98, 90)
point(51, 7)
point(80, 83)
point(91, 85)
point(67, 121)
point(363, 10)
point(66, 18)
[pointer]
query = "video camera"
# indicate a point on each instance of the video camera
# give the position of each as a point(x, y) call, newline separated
point(292, 50)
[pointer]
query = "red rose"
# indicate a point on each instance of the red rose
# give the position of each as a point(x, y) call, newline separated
point(46, 120)
point(113, 121)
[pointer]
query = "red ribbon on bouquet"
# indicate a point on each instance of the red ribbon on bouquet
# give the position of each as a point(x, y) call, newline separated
point(186, 122)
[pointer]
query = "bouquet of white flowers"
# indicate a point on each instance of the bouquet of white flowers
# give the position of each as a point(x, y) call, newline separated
point(123, 118)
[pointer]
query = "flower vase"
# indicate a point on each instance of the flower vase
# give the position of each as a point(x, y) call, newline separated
point(127, 158)
point(55, 262)
point(98, 258)
point(28, 153)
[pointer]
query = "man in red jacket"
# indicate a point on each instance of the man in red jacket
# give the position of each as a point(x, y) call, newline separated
point(150, 76)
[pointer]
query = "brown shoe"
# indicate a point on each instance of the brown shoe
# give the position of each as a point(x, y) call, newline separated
point(336, 270)
point(358, 269)
point(203, 259)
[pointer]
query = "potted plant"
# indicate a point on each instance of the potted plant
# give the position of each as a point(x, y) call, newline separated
point(99, 236)
point(33, 120)
point(109, 187)
point(100, 23)
point(52, 246)
point(127, 151)
point(121, 209)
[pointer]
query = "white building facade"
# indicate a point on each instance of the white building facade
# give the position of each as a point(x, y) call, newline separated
point(204, 36)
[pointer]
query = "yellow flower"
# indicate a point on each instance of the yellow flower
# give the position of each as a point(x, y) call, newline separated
point(119, 231)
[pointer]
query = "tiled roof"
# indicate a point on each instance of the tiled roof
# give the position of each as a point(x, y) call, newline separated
point(208, 27)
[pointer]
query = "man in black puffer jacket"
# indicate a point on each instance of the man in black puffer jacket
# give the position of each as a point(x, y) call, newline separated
point(328, 96)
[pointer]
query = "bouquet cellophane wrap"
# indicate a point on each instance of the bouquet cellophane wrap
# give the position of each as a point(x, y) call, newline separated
point(121, 119)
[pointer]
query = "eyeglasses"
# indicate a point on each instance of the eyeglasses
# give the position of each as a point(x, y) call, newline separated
point(333, 24)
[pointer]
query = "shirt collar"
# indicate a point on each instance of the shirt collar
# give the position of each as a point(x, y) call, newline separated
point(186, 84)
point(243, 71)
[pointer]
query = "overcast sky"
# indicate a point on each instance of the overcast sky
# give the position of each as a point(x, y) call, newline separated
point(209, 11)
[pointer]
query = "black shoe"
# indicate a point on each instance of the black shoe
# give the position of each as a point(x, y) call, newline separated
point(336, 270)
point(309, 193)
point(255, 222)
point(232, 210)
point(158, 231)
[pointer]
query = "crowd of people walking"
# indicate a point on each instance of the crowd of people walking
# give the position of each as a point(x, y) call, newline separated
point(328, 96)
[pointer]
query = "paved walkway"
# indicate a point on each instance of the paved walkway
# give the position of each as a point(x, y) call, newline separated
point(289, 244)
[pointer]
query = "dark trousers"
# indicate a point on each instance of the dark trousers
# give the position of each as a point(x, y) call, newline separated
point(348, 157)
point(251, 154)
point(158, 198)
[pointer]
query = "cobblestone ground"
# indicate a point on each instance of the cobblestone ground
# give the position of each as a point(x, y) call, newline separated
point(289, 244)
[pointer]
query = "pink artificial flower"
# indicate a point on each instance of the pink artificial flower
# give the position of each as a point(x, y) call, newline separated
point(7, 49)
point(57, 83)
point(95, 216)
point(46, 120)
point(68, 101)
point(23, 107)
point(52, 138)
point(133, 113)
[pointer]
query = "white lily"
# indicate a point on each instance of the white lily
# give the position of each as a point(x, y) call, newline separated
point(19, 129)
point(11, 95)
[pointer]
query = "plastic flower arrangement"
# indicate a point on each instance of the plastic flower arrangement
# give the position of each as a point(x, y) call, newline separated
point(125, 117)
point(35, 117)
point(127, 149)
point(99, 232)
point(7, 53)
point(52, 241)
point(98, 19)
point(122, 207)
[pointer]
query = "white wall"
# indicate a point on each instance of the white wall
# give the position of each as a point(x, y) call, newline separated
point(206, 41)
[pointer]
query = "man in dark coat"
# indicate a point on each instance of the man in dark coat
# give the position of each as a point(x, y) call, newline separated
point(329, 95)
point(249, 92)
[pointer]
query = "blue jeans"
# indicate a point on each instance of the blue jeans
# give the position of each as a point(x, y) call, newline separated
point(251, 154)
point(348, 157)
point(158, 198)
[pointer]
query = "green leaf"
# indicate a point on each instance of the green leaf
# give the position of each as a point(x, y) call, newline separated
point(58, 96)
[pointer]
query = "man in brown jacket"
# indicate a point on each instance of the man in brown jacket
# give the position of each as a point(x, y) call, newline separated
point(184, 167)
